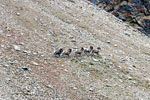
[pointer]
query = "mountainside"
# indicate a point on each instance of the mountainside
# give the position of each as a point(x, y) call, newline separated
point(30, 32)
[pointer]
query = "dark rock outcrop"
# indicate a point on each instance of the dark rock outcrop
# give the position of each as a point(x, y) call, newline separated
point(134, 12)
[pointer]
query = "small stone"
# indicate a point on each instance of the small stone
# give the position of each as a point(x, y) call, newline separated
point(16, 47)
point(25, 51)
point(71, 37)
point(129, 78)
point(8, 79)
point(88, 73)
point(115, 45)
point(71, 1)
point(96, 60)
point(49, 86)
point(36, 18)
point(65, 70)
point(21, 43)
point(134, 82)
point(18, 14)
point(118, 67)
point(110, 55)
point(42, 29)
point(3, 6)
point(130, 69)
point(127, 34)
point(62, 65)
point(108, 86)
point(82, 61)
point(123, 60)
point(2, 46)
point(8, 46)
point(108, 41)
point(91, 89)
point(34, 53)
point(24, 68)
point(34, 63)
point(6, 65)
point(42, 55)
point(74, 88)
point(73, 40)
point(22, 33)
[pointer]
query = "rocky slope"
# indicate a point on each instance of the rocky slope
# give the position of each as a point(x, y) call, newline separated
point(134, 12)
point(31, 30)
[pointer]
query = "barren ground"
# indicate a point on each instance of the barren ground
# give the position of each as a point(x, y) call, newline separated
point(31, 30)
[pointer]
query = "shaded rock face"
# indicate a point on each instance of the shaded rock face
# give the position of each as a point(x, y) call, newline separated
point(134, 12)
point(146, 24)
point(94, 1)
